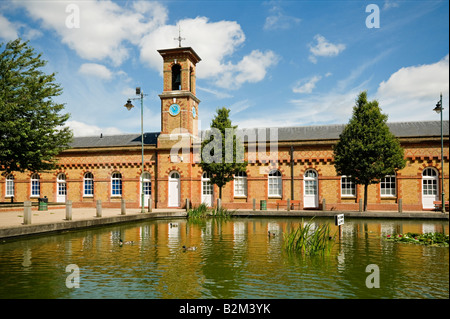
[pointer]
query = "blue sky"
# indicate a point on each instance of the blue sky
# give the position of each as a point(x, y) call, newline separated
point(273, 63)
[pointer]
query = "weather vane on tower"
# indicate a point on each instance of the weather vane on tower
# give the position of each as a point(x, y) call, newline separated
point(179, 37)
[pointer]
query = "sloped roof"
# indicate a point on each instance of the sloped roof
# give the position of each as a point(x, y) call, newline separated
point(285, 134)
point(114, 140)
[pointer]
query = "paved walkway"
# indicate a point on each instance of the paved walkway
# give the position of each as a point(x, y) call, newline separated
point(15, 218)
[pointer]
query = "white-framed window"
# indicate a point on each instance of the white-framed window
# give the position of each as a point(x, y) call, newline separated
point(429, 181)
point(61, 184)
point(88, 185)
point(310, 182)
point(275, 183)
point(240, 184)
point(147, 186)
point(35, 185)
point(9, 191)
point(207, 187)
point(348, 188)
point(116, 184)
point(388, 186)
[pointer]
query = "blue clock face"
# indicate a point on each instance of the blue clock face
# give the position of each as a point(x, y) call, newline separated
point(194, 112)
point(174, 109)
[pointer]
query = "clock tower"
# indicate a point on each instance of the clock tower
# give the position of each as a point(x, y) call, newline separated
point(179, 104)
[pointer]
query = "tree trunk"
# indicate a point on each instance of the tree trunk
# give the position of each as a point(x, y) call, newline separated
point(365, 196)
point(220, 192)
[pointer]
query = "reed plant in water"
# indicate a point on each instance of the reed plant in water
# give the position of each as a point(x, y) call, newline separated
point(199, 212)
point(309, 240)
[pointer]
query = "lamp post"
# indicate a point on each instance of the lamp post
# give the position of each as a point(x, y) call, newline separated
point(439, 110)
point(129, 106)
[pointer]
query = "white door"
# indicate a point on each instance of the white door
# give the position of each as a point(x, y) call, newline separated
point(207, 190)
point(174, 190)
point(61, 188)
point(310, 196)
point(430, 194)
point(145, 179)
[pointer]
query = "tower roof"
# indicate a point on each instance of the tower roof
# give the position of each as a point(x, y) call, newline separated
point(183, 50)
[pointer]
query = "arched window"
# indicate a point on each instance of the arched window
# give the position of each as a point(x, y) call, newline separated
point(176, 77)
point(275, 183)
point(207, 189)
point(88, 185)
point(116, 184)
point(35, 185)
point(61, 186)
point(147, 186)
point(9, 192)
point(429, 181)
point(240, 184)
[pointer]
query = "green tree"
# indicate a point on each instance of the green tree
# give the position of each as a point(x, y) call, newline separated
point(367, 151)
point(31, 125)
point(222, 152)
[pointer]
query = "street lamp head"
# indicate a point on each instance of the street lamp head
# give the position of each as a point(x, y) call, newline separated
point(438, 108)
point(129, 106)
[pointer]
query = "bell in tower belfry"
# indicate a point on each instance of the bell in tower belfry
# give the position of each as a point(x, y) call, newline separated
point(176, 77)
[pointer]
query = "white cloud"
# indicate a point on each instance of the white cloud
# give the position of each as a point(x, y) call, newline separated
point(307, 85)
point(252, 68)
point(96, 70)
point(8, 31)
point(324, 48)
point(82, 129)
point(104, 27)
point(278, 20)
point(412, 92)
point(215, 43)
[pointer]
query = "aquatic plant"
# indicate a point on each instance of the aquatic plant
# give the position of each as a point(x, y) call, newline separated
point(308, 240)
point(201, 211)
point(431, 239)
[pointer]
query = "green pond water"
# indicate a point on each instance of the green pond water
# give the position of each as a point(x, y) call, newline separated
point(234, 258)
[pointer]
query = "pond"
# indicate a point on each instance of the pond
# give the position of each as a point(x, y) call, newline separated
point(234, 258)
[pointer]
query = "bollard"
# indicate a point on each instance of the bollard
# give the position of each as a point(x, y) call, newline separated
point(27, 213)
point(219, 203)
point(150, 204)
point(254, 204)
point(360, 205)
point(123, 207)
point(187, 204)
point(99, 208)
point(288, 205)
point(400, 205)
point(69, 210)
point(324, 205)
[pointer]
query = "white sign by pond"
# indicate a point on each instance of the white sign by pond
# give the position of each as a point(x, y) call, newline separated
point(339, 219)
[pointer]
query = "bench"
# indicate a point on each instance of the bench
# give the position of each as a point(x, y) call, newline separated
point(438, 205)
point(295, 204)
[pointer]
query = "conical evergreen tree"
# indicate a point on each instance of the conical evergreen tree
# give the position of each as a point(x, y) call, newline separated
point(221, 156)
point(31, 125)
point(367, 151)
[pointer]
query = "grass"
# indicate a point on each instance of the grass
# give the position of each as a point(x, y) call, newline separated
point(202, 211)
point(308, 240)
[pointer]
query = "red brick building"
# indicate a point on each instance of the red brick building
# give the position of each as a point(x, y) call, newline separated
point(108, 168)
